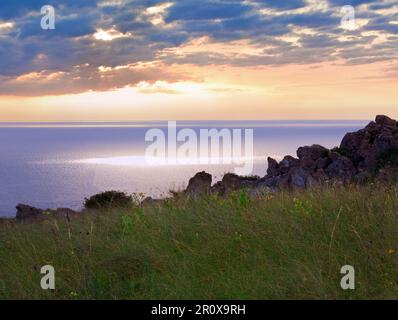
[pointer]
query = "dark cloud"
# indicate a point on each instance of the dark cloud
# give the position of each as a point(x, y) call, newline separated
point(15, 9)
point(282, 5)
point(350, 2)
point(206, 10)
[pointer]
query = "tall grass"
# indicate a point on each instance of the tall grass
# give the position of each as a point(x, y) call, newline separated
point(281, 246)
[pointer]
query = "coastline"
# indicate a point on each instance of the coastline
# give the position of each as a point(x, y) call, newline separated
point(364, 156)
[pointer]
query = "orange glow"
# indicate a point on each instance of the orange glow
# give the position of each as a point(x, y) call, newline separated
point(322, 91)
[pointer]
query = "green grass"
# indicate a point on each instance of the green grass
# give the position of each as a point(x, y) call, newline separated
point(282, 246)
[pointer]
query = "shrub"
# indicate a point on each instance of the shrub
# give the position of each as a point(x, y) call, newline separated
point(107, 200)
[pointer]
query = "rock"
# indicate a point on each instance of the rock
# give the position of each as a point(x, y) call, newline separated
point(64, 212)
point(25, 212)
point(368, 147)
point(150, 202)
point(364, 155)
point(28, 213)
point(360, 155)
point(288, 163)
point(341, 168)
point(262, 188)
point(298, 178)
point(273, 166)
point(308, 164)
point(385, 121)
point(199, 185)
point(369, 154)
point(385, 141)
point(354, 143)
point(282, 182)
point(218, 189)
point(269, 181)
point(314, 152)
point(323, 163)
point(232, 182)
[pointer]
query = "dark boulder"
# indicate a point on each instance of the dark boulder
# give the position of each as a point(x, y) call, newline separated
point(368, 147)
point(64, 212)
point(29, 213)
point(322, 163)
point(386, 121)
point(288, 163)
point(25, 212)
point(200, 184)
point(234, 182)
point(341, 168)
point(298, 177)
point(313, 152)
point(150, 202)
point(273, 167)
point(365, 155)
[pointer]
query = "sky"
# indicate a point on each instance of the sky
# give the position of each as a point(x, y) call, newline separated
point(130, 60)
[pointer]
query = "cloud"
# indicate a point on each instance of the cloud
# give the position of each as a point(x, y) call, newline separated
point(85, 77)
point(114, 33)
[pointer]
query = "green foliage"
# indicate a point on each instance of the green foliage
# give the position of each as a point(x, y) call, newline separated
point(279, 246)
point(108, 199)
point(126, 221)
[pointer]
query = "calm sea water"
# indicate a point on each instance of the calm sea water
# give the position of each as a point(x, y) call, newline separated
point(58, 164)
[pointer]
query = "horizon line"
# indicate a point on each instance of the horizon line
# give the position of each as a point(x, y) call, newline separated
point(185, 120)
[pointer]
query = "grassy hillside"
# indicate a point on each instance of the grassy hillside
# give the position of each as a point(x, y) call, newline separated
point(283, 246)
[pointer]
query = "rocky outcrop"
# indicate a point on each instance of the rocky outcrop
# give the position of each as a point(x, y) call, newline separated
point(199, 185)
point(232, 182)
point(368, 154)
point(26, 213)
point(361, 156)
point(372, 146)
point(150, 202)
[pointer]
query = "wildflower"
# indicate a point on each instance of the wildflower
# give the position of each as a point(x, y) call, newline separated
point(391, 251)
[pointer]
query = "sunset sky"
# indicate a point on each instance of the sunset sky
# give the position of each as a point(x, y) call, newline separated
point(128, 60)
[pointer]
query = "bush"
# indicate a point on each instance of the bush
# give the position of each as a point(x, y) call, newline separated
point(107, 200)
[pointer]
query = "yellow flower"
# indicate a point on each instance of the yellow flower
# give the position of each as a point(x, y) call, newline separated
point(391, 251)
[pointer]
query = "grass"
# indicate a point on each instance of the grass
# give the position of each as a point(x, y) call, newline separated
point(282, 246)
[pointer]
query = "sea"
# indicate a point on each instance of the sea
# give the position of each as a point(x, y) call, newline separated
point(58, 165)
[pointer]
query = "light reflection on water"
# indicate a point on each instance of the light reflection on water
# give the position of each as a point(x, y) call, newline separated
point(57, 165)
